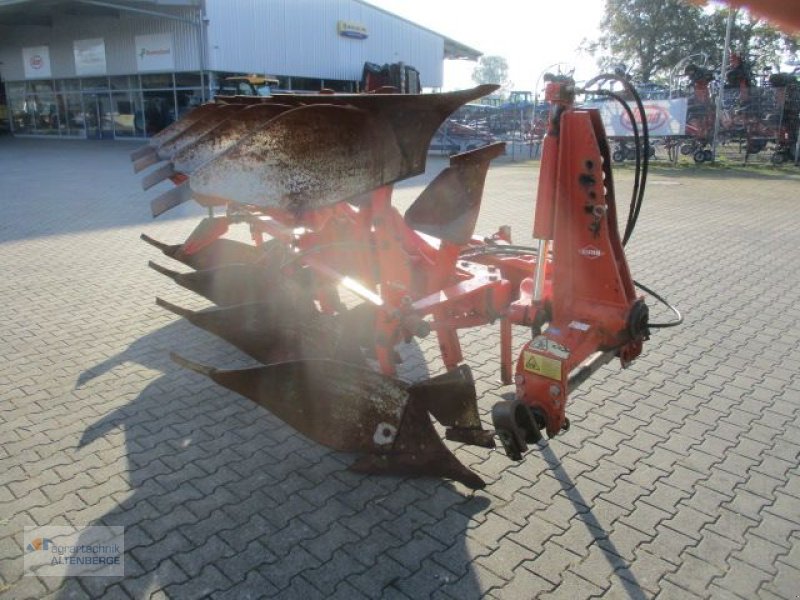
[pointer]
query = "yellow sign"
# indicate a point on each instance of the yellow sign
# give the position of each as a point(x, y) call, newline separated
point(542, 365)
point(352, 30)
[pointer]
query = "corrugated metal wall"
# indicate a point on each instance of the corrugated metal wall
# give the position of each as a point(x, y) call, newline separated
point(118, 34)
point(299, 38)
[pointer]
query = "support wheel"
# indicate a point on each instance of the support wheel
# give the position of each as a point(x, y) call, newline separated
point(699, 156)
point(516, 426)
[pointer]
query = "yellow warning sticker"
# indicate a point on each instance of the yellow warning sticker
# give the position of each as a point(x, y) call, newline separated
point(542, 365)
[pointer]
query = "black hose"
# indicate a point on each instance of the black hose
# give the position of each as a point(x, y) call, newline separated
point(636, 207)
point(675, 311)
point(635, 129)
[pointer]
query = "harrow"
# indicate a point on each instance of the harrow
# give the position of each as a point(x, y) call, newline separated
point(311, 177)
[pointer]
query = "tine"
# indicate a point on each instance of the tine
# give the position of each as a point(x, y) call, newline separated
point(175, 128)
point(191, 365)
point(196, 130)
point(171, 199)
point(158, 176)
point(226, 285)
point(141, 151)
point(174, 308)
point(163, 270)
point(146, 161)
point(228, 133)
point(253, 328)
point(165, 248)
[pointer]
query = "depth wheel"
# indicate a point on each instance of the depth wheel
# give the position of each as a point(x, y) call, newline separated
point(516, 426)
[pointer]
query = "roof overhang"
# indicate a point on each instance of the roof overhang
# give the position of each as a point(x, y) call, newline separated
point(454, 50)
point(41, 12)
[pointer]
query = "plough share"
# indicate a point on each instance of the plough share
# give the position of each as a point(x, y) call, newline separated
point(311, 177)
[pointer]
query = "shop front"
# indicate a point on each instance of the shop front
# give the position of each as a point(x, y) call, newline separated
point(119, 107)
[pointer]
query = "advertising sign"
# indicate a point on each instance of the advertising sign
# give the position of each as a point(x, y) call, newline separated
point(349, 29)
point(664, 117)
point(37, 62)
point(90, 56)
point(155, 52)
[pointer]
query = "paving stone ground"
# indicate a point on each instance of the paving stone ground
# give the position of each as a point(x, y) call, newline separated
point(678, 479)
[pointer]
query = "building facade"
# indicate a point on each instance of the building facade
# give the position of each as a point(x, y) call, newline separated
point(126, 69)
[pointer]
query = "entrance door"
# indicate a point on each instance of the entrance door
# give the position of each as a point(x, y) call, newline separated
point(99, 117)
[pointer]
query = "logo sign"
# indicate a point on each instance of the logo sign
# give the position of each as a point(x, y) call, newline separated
point(352, 30)
point(657, 117)
point(61, 550)
point(664, 117)
point(155, 52)
point(590, 252)
point(90, 56)
point(37, 62)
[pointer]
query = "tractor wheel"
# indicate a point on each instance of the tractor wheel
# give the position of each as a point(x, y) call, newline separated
point(687, 149)
point(651, 151)
point(618, 156)
point(778, 158)
point(699, 156)
point(630, 153)
point(708, 155)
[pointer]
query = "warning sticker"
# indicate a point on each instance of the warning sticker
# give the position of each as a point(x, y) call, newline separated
point(542, 365)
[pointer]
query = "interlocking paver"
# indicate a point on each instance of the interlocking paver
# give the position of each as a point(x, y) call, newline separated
point(678, 478)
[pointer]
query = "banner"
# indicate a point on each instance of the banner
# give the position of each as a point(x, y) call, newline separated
point(664, 117)
point(90, 56)
point(37, 62)
point(155, 52)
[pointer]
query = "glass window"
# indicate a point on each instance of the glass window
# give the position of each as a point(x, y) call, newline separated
point(21, 120)
point(72, 116)
point(187, 100)
point(159, 111)
point(94, 83)
point(38, 87)
point(124, 83)
point(42, 111)
point(127, 114)
point(162, 80)
point(68, 85)
point(306, 84)
point(190, 80)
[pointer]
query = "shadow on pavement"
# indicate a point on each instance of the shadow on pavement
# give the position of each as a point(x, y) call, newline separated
point(227, 500)
point(602, 537)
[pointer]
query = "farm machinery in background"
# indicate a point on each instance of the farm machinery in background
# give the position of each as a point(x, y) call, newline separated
point(756, 115)
point(336, 279)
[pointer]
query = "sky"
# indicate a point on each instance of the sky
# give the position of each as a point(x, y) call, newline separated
point(531, 34)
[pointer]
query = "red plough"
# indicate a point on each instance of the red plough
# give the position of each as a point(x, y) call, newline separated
point(336, 277)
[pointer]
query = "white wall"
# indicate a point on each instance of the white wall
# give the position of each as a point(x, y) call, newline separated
point(299, 38)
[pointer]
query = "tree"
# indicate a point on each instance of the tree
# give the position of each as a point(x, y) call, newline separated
point(491, 69)
point(652, 36)
point(648, 36)
point(759, 43)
